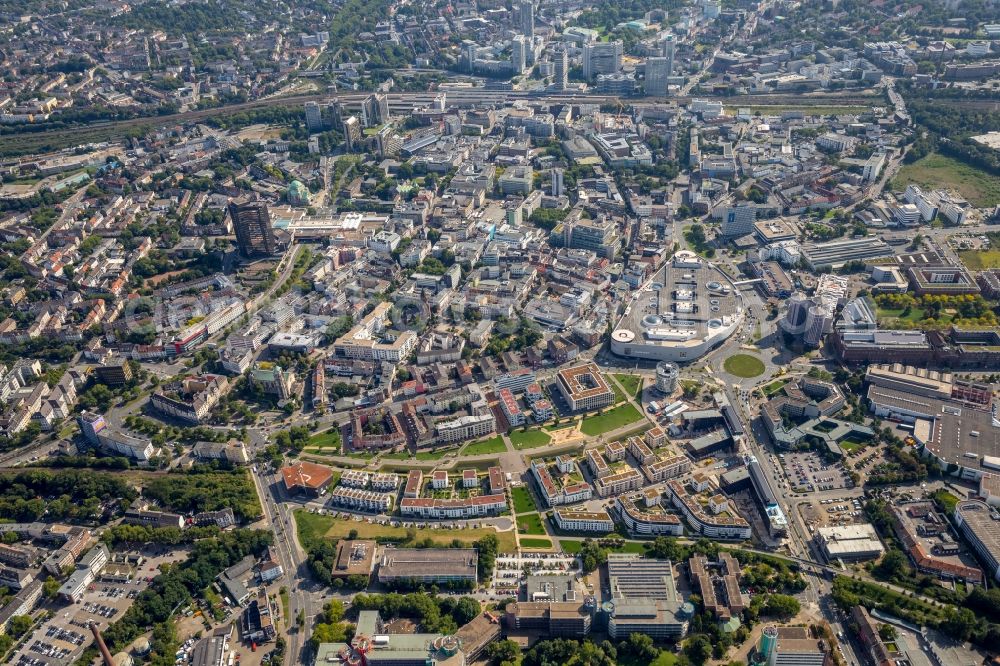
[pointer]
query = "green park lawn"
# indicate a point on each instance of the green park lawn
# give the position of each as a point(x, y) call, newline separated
point(744, 365)
point(528, 439)
point(612, 419)
point(491, 445)
point(774, 388)
point(631, 383)
point(535, 543)
point(850, 445)
point(530, 523)
point(328, 439)
point(523, 502)
point(936, 171)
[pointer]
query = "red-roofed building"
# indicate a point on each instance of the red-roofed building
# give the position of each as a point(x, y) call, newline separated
point(306, 478)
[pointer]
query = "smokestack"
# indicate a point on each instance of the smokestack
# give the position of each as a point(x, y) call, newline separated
point(101, 645)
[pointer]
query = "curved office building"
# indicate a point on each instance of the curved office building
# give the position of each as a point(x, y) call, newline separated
point(688, 308)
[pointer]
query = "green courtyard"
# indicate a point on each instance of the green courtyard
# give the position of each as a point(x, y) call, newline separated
point(528, 439)
point(612, 419)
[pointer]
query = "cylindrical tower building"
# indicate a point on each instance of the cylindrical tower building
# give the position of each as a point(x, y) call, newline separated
point(768, 641)
point(797, 313)
point(667, 373)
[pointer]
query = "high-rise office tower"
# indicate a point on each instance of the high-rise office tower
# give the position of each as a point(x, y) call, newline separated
point(669, 46)
point(314, 117)
point(518, 53)
point(375, 110)
point(602, 58)
point(471, 48)
point(559, 59)
point(656, 76)
point(322, 117)
point(252, 223)
point(382, 106)
point(527, 15)
point(352, 134)
point(556, 176)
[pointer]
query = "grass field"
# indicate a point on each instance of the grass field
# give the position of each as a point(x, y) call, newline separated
point(523, 502)
point(938, 171)
point(528, 439)
point(492, 445)
point(619, 393)
point(980, 260)
point(744, 365)
point(774, 387)
point(887, 314)
point(610, 420)
point(536, 543)
point(328, 439)
point(530, 523)
point(283, 593)
point(850, 445)
point(313, 527)
point(631, 383)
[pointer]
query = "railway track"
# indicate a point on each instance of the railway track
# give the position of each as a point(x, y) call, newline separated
point(46, 140)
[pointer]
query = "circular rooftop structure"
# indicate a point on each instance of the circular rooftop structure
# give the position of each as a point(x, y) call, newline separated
point(686, 309)
point(623, 335)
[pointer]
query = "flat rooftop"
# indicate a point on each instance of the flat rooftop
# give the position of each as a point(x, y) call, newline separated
point(632, 577)
point(687, 303)
point(407, 562)
point(955, 432)
point(584, 381)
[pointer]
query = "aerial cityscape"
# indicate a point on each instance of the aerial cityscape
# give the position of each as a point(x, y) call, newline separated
point(449, 333)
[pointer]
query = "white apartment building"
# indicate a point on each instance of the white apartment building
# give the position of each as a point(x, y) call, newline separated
point(575, 520)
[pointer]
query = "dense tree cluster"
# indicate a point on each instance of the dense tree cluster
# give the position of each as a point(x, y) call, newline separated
point(206, 491)
point(62, 495)
point(142, 534)
point(436, 614)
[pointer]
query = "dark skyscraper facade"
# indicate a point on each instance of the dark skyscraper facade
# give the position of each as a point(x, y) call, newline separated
point(253, 228)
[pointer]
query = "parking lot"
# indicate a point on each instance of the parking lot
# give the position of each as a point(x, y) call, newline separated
point(62, 638)
point(807, 472)
point(832, 512)
point(509, 571)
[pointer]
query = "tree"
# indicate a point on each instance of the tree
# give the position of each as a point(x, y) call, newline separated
point(960, 623)
point(592, 555)
point(488, 547)
point(50, 588)
point(698, 649)
point(887, 632)
point(466, 610)
point(20, 625)
point(502, 651)
point(893, 564)
point(781, 605)
point(641, 647)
